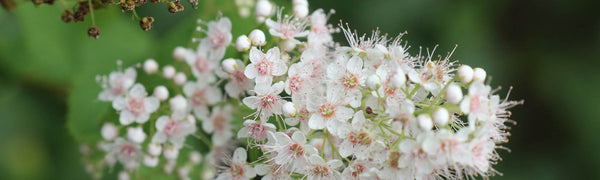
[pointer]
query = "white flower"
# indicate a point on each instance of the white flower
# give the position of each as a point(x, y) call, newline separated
point(173, 130)
point(265, 66)
point(109, 131)
point(171, 152)
point(298, 83)
point(360, 141)
point(359, 170)
point(257, 130)
point(238, 167)
point(219, 124)
point(320, 32)
point(219, 37)
point(201, 96)
point(154, 148)
point(150, 161)
point(349, 77)
point(321, 170)
point(203, 64)
point(329, 113)
point(287, 27)
point(136, 106)
point(118, 84)
point(476, 103)
point(127, 153)
point(267, 100)
point(238, 82)
point(291, 153)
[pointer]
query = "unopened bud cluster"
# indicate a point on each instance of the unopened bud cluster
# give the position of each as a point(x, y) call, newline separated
point(313, 108)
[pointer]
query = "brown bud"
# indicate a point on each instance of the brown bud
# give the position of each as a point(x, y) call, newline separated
point(368, 110)
point(84, 7)
point(78, 16)
point(140, 2)
point(175, 6)
point(194, 3)
point(94, 32)
point(67, 16)
point(146, 23)
point(127, 5)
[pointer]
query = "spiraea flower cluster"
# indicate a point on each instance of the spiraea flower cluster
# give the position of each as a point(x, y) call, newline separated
point(308, 107)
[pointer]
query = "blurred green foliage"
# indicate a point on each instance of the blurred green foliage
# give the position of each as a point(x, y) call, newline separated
point(547, 50)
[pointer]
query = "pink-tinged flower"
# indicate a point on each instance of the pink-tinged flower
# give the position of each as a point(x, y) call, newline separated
point(267, 100)
point(257, 130)
point(477, 102)
point(360, 170)
point(291, 153)
point(136, 106)
point(320, 31)
point(174, 130)
point(329, 113)
point(483, 155)
point(265, 66)
point(200, 96)
point(272, 171)
point(238, 82)
point(318, 169)
point(238, 167)
point(448, 148)
point(433, 75)
point(298, 83)
point(218, 36)
point(348, 76)
point(414, 158)
point(287, 27)
point(203, 63)
point(129, 154)
point(360, 142)
point(219, 124)
point(117, 84)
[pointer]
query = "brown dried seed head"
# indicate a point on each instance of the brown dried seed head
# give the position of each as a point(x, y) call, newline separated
point(94, 32)
point(67, 16)
point(175, 6)
point(146, 23)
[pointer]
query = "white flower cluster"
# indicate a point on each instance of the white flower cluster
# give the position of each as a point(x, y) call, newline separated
point(369, 110)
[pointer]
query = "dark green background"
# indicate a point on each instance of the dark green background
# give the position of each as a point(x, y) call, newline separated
point(548, 50)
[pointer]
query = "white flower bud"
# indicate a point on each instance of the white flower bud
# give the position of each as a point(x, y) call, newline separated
point(150, 66)
point(154, 148)
point(109, 131)
point(441, 116)
point(287, 45)
point(373, 81)
point(289, 109)
point(453, 94)
point(229, 65)
point(180, 78)
point(465, 73)
point(195, 157)
point(123, 175)
point(398, 79)
point(183, 172)
point(169, 166)
point(180, 53)
point(171, 153)
point(300, 10)
point(150, 161)
point(136, 134)
point(242, 43)
point(425, 122)
point(300, 2)
point(161, 92)
point(263, 8)
point(257, 37)
point(479, 74)
point(178, 103)
point(168, 72)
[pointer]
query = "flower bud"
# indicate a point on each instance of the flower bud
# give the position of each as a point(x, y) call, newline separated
point(150, 161)
point(161, 92)
point(195, 157)
point(479, 74)
point(168, 72)
point(146, 23)
point(171, 153)
point(229, 65)
point(175, 6)
point(150, 66)
point(441, 116)
point(465, 73)
point(398, 79)
point(425, 122)
point(300, 10)
point(136, 134)
point(154, 148)
point(242, 43)
point(453, 94)
point(289, 109)
point(263, 8)
point(287, 45)
point(93, 32)
point(180, 78)
point(123, 175)
point(178, 103)
point(109, 131)
point(180, 53)
point(373, 82)
point(300, 2)
point(257, 37)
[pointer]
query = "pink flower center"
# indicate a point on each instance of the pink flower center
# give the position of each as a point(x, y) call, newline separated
point(350, 80)
point(362, 138)
point(136, 106)
point(217, 39)
point(297, 150)
point(321, 171)
point(258, 131)
point(201, 65)
point(267, 101)
point(326, 110)
point(264, 67)
point(357, 170)
point(219, 122)
point(475, 103)
point(295, 83)
point(237, 171)
point(127, 152)
point(199, 97)
point(238, 77)
point(171, 128)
